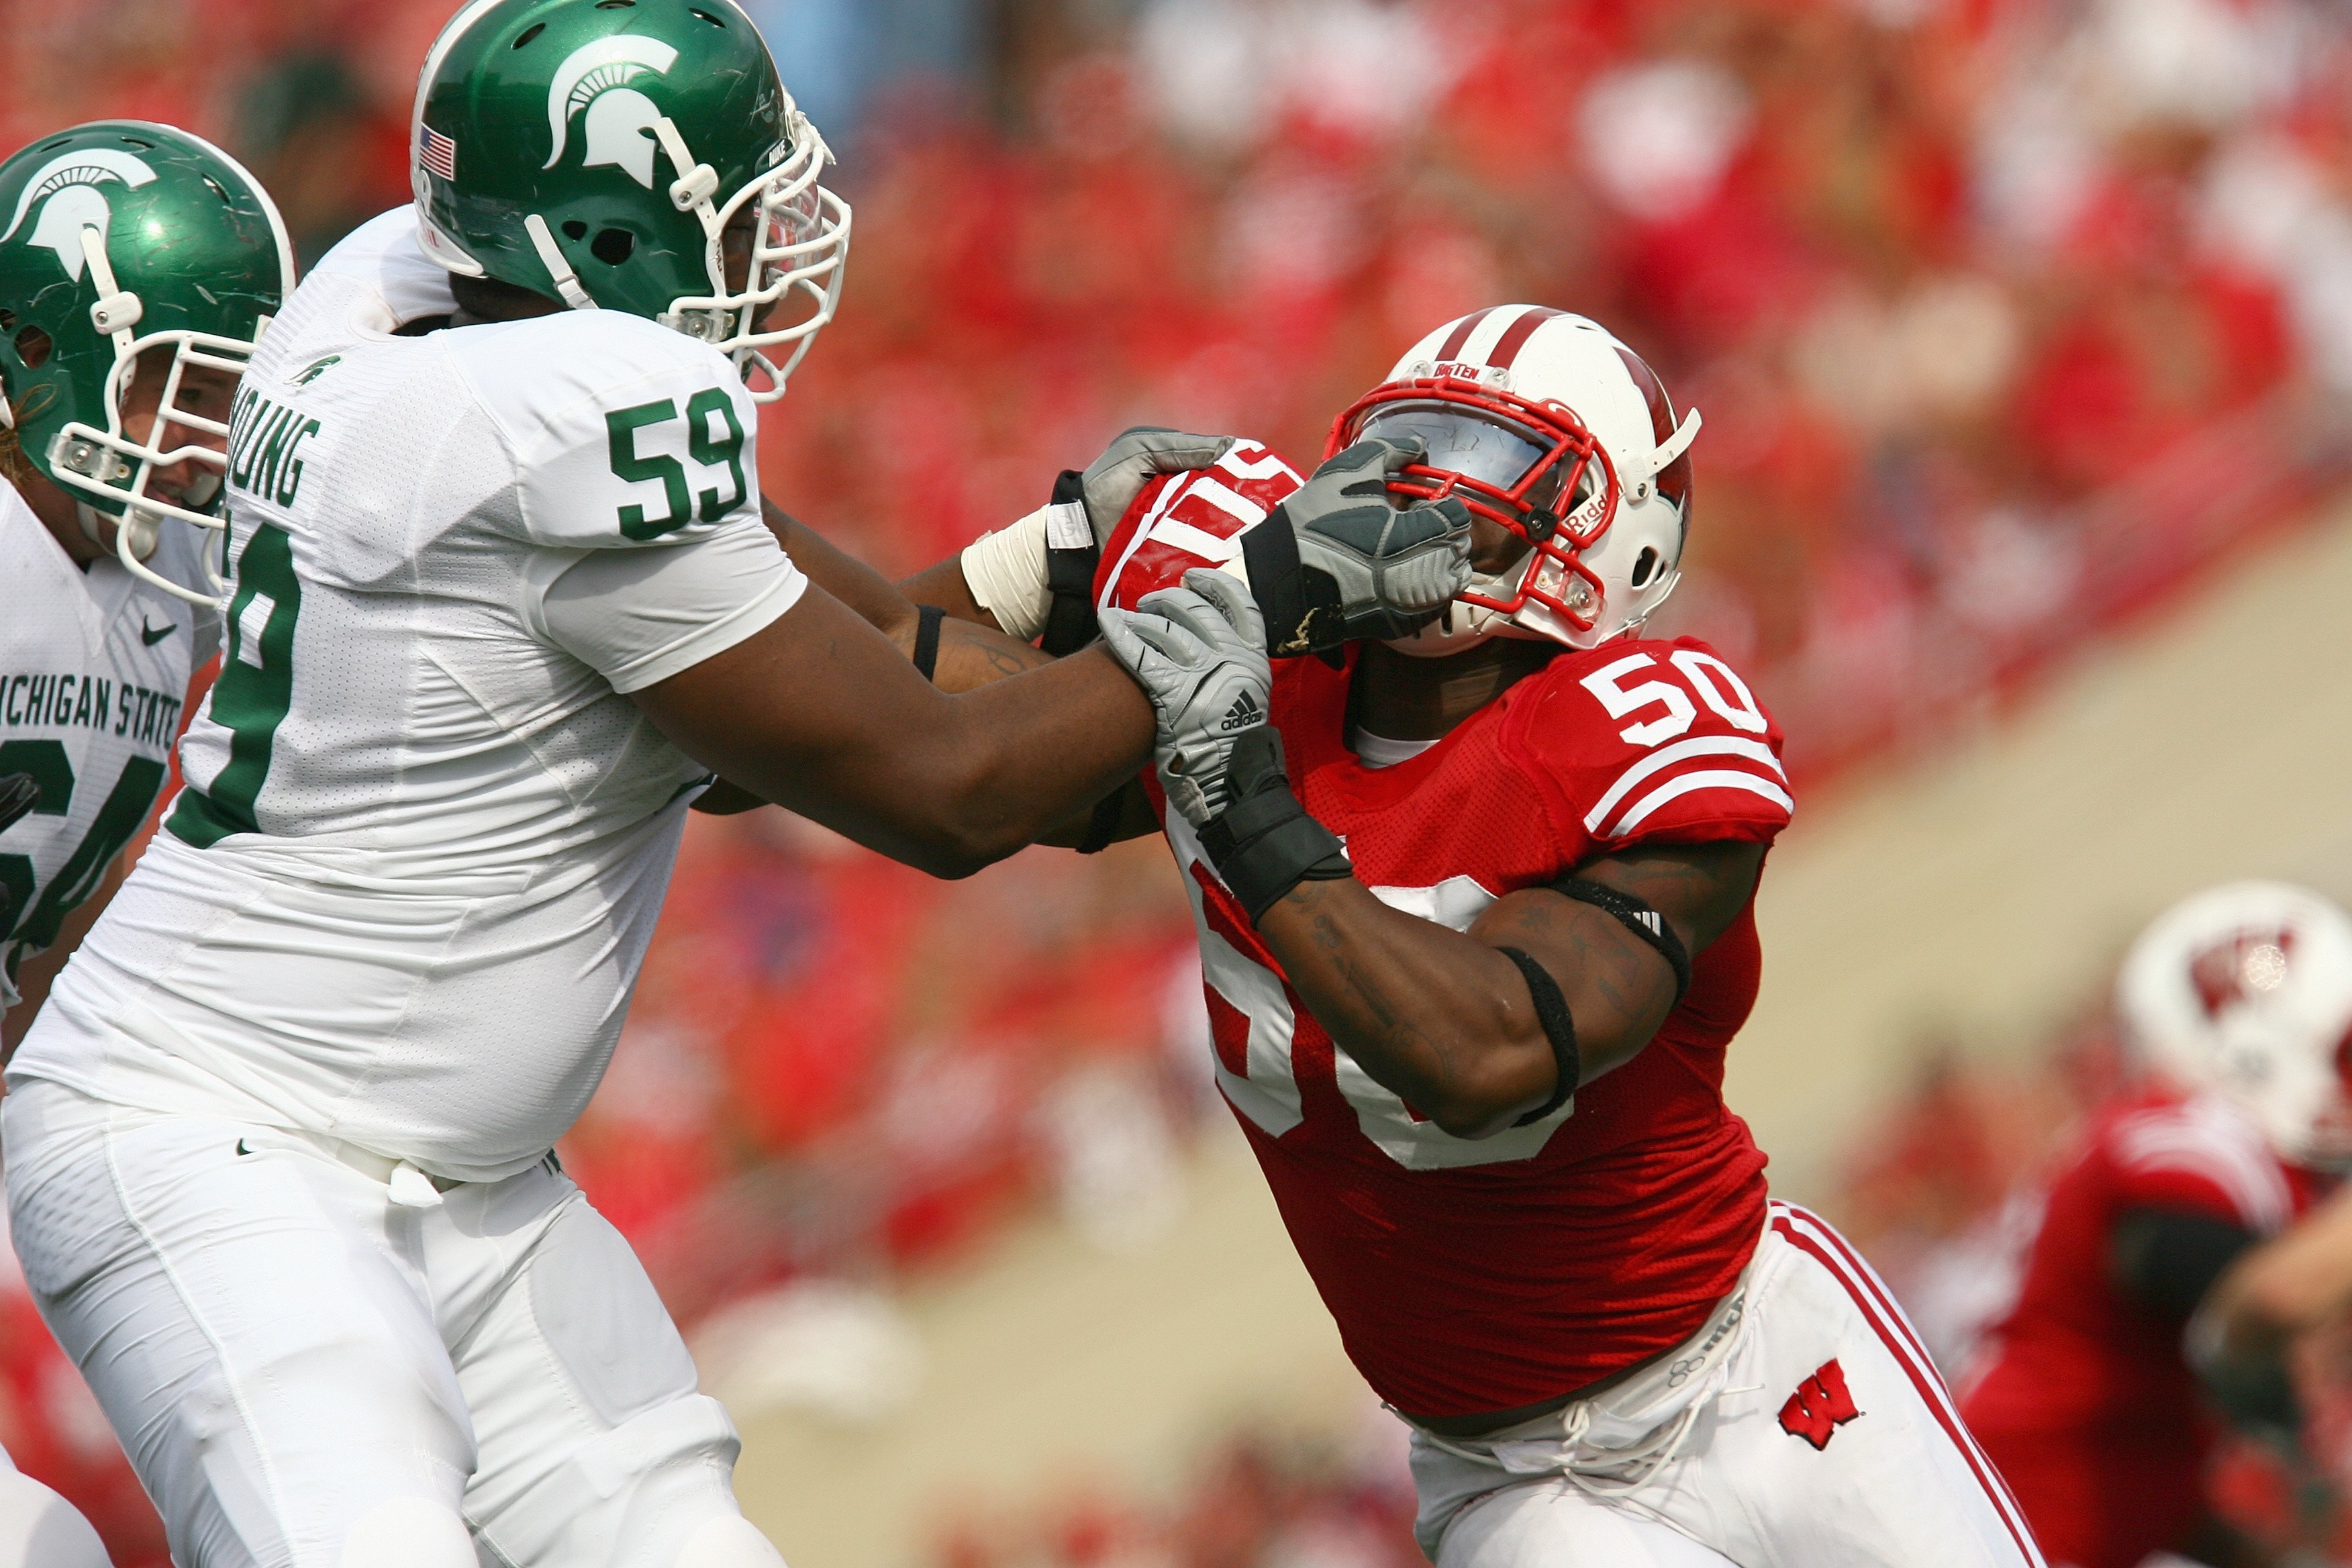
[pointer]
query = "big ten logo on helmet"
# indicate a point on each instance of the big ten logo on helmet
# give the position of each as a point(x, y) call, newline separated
point(619, 126)
point(69, 189)
point(265, 447)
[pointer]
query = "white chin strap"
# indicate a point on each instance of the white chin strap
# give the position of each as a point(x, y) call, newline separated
point(134, 528)
point(559, 266)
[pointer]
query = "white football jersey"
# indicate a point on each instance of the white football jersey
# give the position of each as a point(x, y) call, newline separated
point(94, 667)
point(402, 898)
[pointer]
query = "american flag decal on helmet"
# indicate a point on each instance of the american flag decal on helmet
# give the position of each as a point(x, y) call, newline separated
point(436, 152)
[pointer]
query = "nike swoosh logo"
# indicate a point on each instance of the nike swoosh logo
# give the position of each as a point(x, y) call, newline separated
point(150, 637)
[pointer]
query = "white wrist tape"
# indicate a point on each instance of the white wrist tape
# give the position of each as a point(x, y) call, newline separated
point(1006, 573)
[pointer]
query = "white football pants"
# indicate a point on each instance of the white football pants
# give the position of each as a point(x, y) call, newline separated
point(313, 1365)
point(39, 1529)
point(1805, 1428)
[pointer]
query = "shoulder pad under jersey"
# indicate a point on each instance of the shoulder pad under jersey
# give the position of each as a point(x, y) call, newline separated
point(384, 256)
point(624, 432)
point(1649, 740)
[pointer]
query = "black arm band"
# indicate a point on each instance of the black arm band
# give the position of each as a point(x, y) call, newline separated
point(1638, 918)
point(1551, 1011)
point(1070, 580)
point(927, 620)
point(1110, 812)
point(1264, 843)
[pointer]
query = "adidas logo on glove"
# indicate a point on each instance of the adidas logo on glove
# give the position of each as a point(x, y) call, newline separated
point(1244, 713)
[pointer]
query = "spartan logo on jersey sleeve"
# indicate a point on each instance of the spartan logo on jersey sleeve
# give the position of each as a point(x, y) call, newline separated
point(67, 189)
point(619, 129)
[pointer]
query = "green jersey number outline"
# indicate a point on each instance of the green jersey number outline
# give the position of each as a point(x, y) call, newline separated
point(38, 920)
point(621, 428)
point(254, 690)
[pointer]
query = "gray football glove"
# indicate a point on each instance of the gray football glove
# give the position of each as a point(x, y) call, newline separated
point(1351, 564)
point(1112, 482)
point(1198, 653)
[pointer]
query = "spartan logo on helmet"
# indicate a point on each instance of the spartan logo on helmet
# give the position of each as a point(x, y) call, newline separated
point(68, 188)
point(621, 119)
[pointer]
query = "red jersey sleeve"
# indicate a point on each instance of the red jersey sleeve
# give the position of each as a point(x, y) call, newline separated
point(1188, 520)
point(1638, 742)
point(2200, 1156)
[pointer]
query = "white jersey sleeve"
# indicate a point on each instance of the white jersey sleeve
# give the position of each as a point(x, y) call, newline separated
point(639, 617)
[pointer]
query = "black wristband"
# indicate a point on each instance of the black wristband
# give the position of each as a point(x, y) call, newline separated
point(927, 620)
point(1264, 843)
point(1551, 1011)
point(1070, 580)
point(1637, 917)
point(1109, 811)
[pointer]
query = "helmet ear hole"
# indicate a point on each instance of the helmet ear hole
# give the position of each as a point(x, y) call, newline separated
point(613, 246)
point(576, 231)
point(33, 346)
point(534, 30)
point(1646, 566)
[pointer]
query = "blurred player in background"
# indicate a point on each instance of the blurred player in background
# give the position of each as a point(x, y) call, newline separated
point(2091, 1394)
point(1475, 917)
point(504, 603)
point(138, 265)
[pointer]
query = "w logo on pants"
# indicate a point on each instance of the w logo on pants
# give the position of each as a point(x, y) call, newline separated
point(1820, 1406)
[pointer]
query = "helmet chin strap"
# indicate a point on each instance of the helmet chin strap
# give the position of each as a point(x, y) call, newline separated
point(135, 534)
point(559, 266)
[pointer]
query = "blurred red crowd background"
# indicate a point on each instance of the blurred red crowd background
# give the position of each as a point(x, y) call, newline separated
point(2006, 318)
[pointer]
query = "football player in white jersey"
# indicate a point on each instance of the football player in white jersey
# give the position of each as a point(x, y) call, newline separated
point(138, 265)
point(504, 603)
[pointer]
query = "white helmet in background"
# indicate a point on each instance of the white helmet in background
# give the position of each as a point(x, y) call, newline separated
point(2246, 990)
point(1544, 422)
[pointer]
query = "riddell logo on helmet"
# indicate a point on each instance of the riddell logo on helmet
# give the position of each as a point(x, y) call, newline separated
point(67, 186)
point(620, 119)
point(2247, 964)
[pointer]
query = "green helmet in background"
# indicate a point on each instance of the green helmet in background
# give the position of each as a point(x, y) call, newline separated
point(121, 237)
point(597, 151)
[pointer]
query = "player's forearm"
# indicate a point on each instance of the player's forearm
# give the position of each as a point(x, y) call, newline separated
point(818, 712)
point(944, 583)
point(866, 593)
point(973, 652)
point(1439, 1019)
point(2285, 1286)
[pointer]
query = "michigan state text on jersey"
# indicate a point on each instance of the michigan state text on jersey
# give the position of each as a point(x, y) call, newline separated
point(501, 601)
point(137, 267)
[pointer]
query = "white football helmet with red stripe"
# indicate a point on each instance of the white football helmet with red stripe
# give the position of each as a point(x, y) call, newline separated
point(1545, 424)
point(2246, 990)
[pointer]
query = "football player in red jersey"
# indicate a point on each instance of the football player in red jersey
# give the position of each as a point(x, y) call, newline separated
point(2239, 1002)
point(1474, 911)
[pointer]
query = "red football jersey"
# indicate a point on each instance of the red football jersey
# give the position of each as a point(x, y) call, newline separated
point(1472, 1276)
point(2086, 1400)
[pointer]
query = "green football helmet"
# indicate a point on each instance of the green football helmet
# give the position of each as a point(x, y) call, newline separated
point(123, 236)
point(597, 151)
